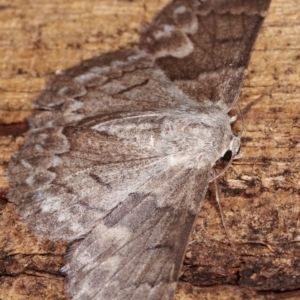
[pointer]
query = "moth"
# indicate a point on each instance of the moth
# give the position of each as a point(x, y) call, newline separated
point(121, 148)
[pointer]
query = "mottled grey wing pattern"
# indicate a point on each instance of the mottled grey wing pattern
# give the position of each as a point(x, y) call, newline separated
point(134, 215)
point(120, 151)
point(75, 178)
point(118, 81)
point(136, 251)
point(205, 46)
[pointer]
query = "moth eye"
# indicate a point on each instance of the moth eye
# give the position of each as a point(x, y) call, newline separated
point(227, 155)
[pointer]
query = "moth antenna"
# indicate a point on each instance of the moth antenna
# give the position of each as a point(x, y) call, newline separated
point(267, 92)
point(218, 199)
point(243, 120)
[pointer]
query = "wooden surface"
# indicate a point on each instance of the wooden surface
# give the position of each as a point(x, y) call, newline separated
point(260, 192)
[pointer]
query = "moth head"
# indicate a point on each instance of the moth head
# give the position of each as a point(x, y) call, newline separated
point(233, 152)
point(234, 149)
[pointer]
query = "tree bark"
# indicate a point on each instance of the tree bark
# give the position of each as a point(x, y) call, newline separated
point(260, 192)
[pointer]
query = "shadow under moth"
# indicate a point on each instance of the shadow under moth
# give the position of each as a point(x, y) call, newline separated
point(121, 148)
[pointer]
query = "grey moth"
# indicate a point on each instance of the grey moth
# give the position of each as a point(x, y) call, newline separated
point(121, 148)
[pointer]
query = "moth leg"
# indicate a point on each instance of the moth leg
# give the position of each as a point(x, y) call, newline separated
point(239, 155)
point(218, 199)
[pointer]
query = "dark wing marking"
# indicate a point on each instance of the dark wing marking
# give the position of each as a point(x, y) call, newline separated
point(149, 228)
point(205, 46)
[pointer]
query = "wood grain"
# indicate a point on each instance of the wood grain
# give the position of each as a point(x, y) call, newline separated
point(260, 192)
